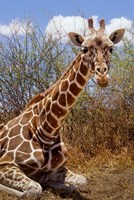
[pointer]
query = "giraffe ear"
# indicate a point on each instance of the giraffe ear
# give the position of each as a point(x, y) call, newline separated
point(75, 38)
point(117, 35)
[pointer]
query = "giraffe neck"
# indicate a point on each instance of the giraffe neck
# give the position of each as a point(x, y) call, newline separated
point(56, 105)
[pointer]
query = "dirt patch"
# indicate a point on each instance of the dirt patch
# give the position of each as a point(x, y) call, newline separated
point(111, 184)
point(103, 184)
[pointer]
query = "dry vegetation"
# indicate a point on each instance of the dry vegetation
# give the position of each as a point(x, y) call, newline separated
point(99, 131)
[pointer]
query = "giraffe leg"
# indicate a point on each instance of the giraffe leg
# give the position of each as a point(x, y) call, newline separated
point(65, 180)
point(14, 181)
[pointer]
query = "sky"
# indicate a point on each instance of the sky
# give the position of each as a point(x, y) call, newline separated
point(65, 15)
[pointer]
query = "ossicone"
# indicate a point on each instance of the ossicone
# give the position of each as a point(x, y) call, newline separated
point(90, 23)
point(102, 24)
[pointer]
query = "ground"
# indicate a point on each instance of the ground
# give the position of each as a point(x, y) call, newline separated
point(104, 184)
point(113, 180)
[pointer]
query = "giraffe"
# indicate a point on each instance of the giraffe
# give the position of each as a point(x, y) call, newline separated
point(1, 126)
point(32, 152)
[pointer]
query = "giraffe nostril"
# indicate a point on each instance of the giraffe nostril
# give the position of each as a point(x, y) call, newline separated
point(98, 70)
point(105, 69)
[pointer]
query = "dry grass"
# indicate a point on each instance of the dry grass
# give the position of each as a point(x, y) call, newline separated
point(105, 159)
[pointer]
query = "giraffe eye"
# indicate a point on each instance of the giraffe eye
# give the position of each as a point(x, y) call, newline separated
point(84, 49)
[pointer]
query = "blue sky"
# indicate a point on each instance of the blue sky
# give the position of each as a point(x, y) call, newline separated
point(64, 15)
point(40, 10)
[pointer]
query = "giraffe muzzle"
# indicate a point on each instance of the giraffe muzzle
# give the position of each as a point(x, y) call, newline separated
point(102, 76)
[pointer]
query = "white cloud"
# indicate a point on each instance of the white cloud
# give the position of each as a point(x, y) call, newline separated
point(59, 26)
point(15, 26)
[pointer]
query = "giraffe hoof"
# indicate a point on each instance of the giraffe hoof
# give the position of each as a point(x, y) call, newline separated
point(75, 180)
point(33, 189)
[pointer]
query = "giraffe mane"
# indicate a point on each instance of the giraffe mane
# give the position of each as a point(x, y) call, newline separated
point(38, 98)
point(34, 100)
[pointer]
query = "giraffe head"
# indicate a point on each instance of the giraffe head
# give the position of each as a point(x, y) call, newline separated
point(96, 49)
